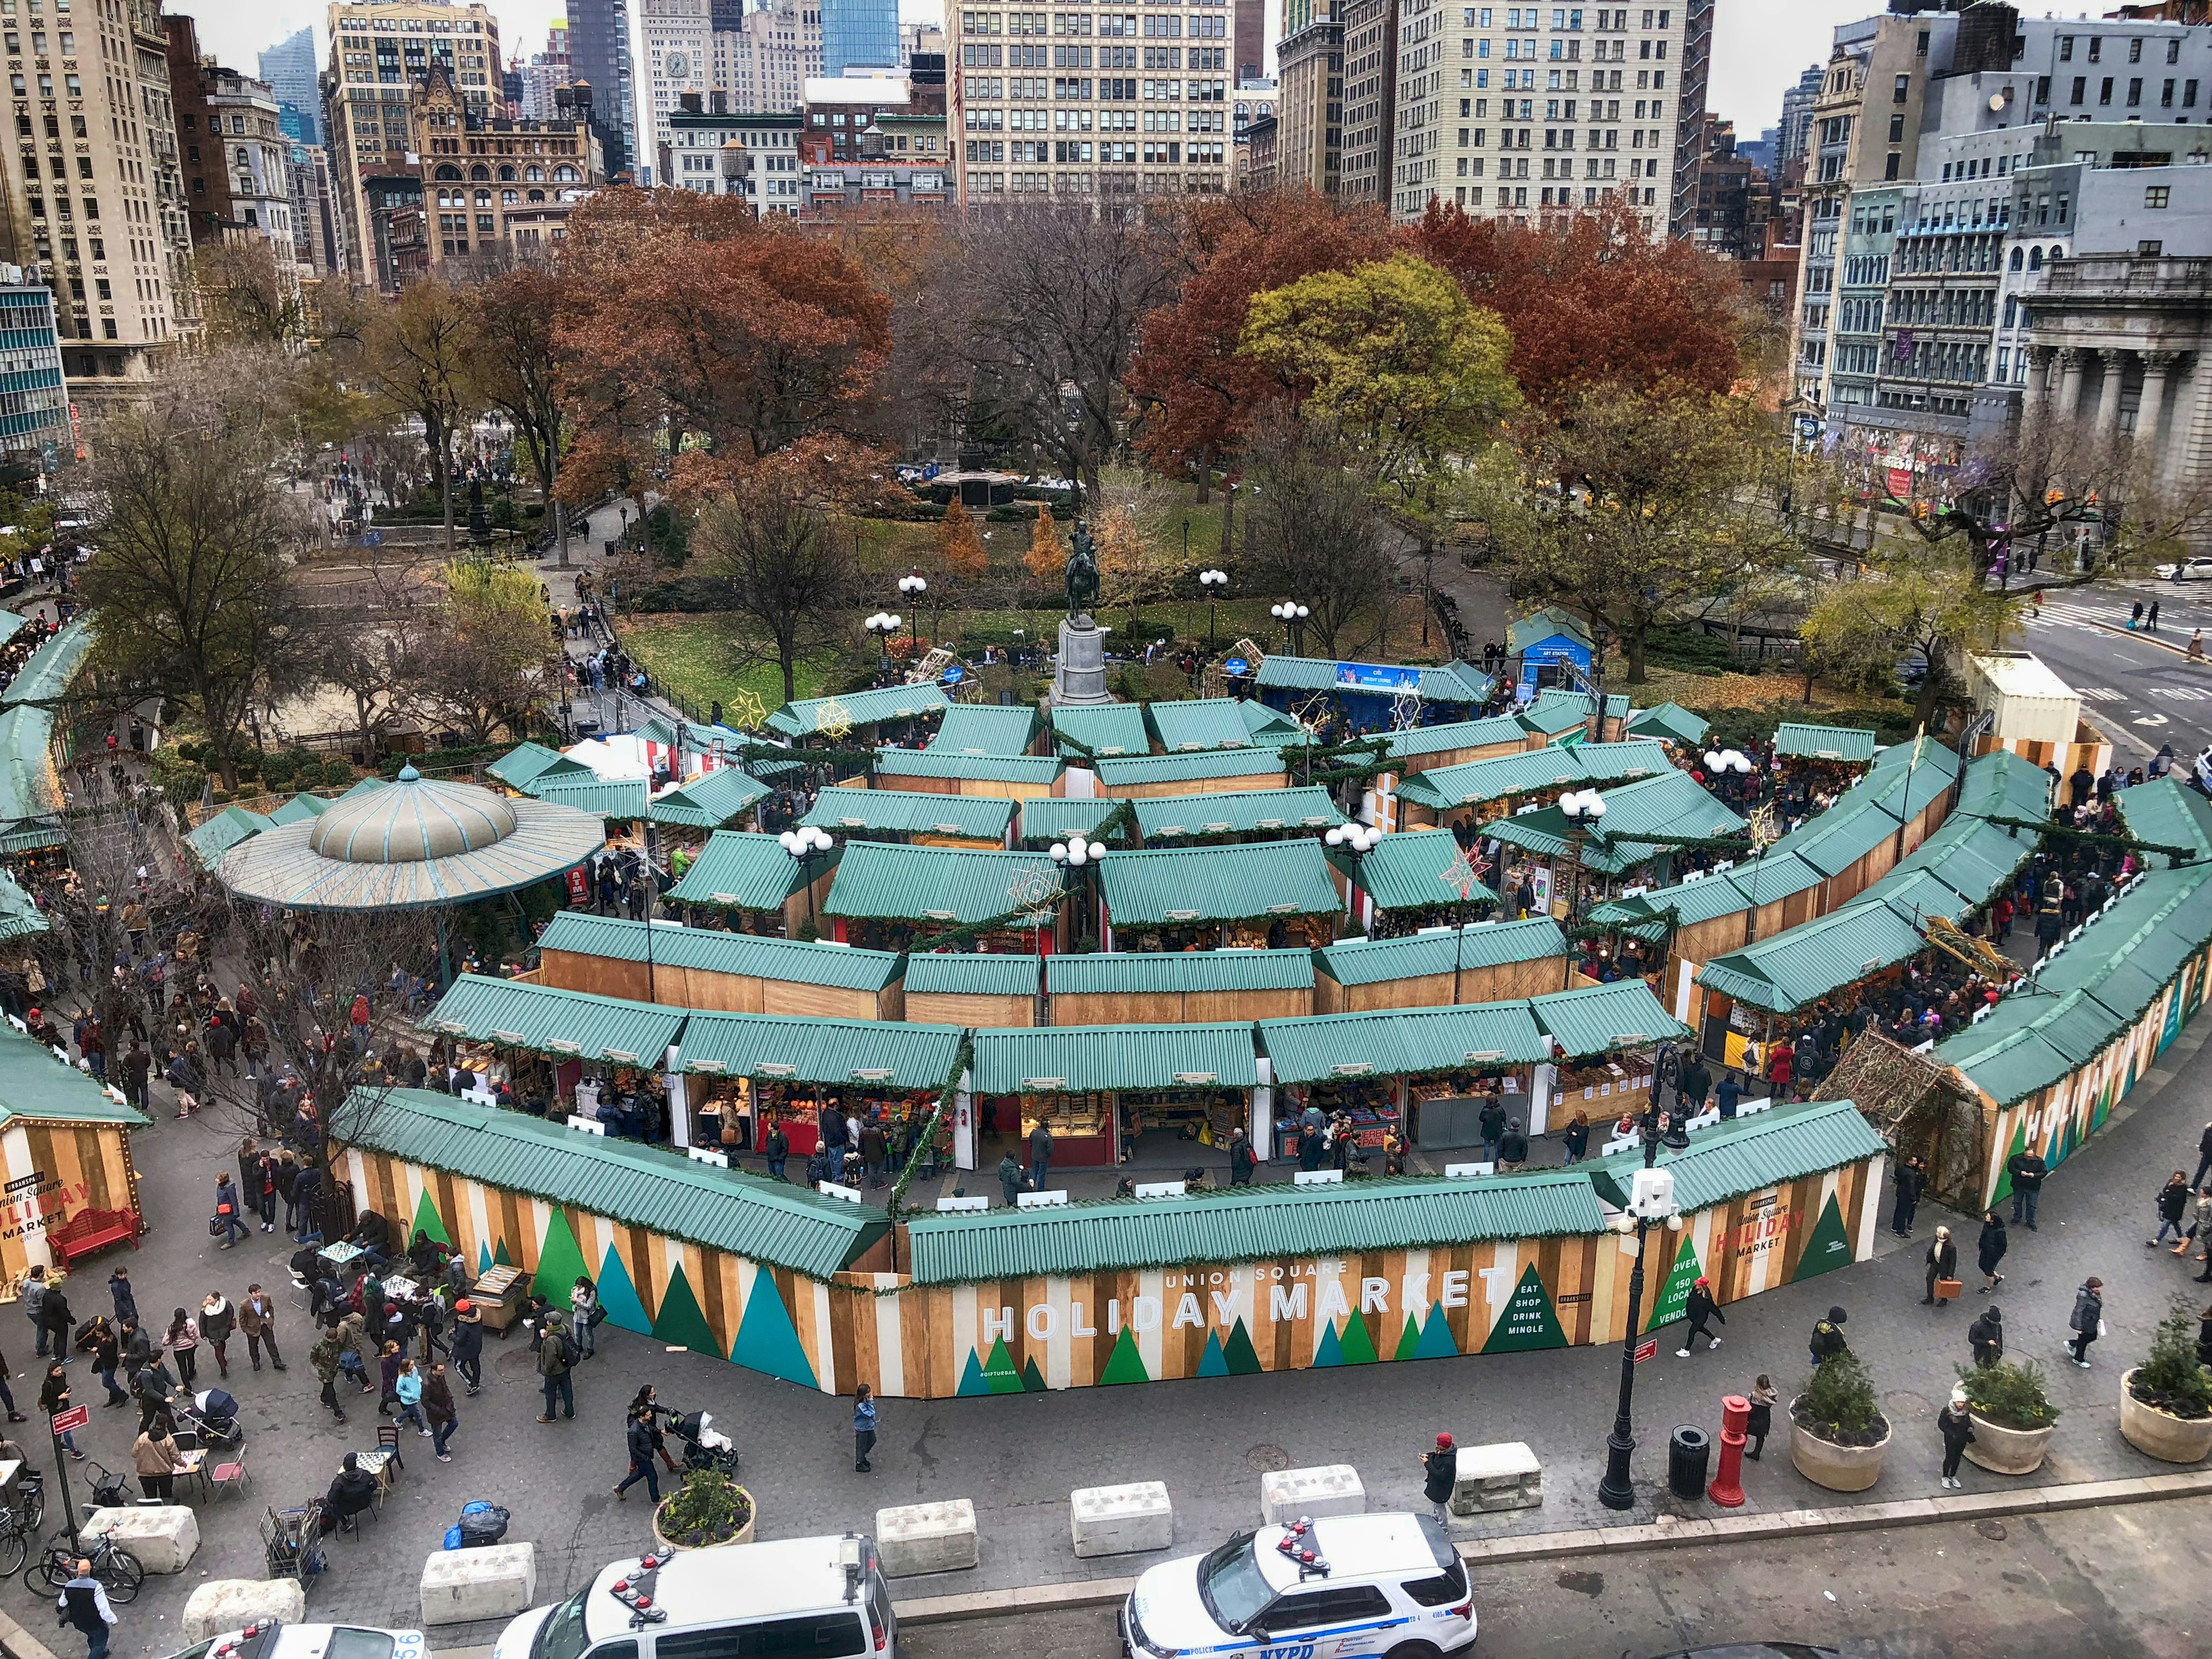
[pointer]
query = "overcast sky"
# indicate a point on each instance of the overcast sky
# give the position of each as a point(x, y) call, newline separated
point(1759, 47)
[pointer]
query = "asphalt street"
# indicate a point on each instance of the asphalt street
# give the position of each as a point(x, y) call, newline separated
point(2082, 1584)
point(2137, 688)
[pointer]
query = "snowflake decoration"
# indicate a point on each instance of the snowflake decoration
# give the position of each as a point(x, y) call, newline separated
point(1034, 891)
point(746, 712)
point(1461, 877)
point(834, 719)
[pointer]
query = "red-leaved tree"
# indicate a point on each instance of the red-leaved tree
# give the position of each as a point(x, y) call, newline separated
point(1200, 396)
point(1593, 299)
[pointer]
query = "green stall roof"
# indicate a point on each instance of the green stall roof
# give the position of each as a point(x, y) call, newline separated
point(709, 801)
point(34, 1086)
point(1453, 683)
point(743, 870)
point(219, 834)
point(1639, 818)
point(516, 1014)
point(1485, 944)
point(971, 974)
point(1078, 1059)
point(854, 709)
point(912, 812)
point(1751, 1154)
point(1040, 770)
point(2167, 811)
point(1795, 969)
point(629, 798)
point(524, 764)
point(1047, 818)
point(302, 805)
point(770, 1222)
point(1477, 782)
point(1669, 720)
point(974, 728)
point(1540, 625)
point(46, 674)
point(1457, 734)
point(1236, 812)
point(2003, 785)
point(11, 623)
point(1402, 1042)
point(1109, 728)
point(890, 881)
point(20, 915)
point(28, 787)
point(1970, 854)
point(1800, 741)
point(882, 1054)
point(1599, 1019)
point(1125, 771)
point(1172, 973)
point(1917, 893)
point(1234, 882)
point(1249, 1223)
point(1414, 870)
point(796, 962)
point(1555, 701)
point(1207, 723)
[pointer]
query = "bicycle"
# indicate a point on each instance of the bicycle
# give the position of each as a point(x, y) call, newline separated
point(15, 1540)
point(114, 1566)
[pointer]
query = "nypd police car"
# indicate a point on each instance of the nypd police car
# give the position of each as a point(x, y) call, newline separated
point(271, 1638)
point(1386, 1585)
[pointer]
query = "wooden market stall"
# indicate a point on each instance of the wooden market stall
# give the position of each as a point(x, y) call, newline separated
point(1255, 815)
point(981, 728)
point(895, 896)
point(1179, 987)
point(1562, 716)
point(65, 1148)
point(955, 987)
point(949, 772)
point(744, 1074)
point(1148, 1094)
point(1485, 962)
point(1369, 696)
point(1103, 729)
point(1415, 879)
point(920, 817)
point(1604, 1041)
point(1430, 748)
point(1478, 791)
point(708, 968)
point(1063, 818)
point(526, 763)
point(1258, 893)
point(562, 1052)
point(1202, 772)
point(756, 886)
point(1561, 858)
point(861, 720)
point(1216, 723)
point(1423, 1073)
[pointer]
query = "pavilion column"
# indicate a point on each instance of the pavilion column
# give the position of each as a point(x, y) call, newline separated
point(2108, 398)
point(2158, 371)
point(2073, 360)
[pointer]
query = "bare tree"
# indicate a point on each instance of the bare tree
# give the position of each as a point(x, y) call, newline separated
point(416, 356)
point(515, 372)
point(252, 298)
point(783, 566)
point(1050, 301)
point(1313, 530)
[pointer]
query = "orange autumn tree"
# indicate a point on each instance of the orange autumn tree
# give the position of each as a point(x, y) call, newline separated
point(1201, 395)
point(1593, 300)
point(1046, 559)
point(692, 327)
point(959, 544)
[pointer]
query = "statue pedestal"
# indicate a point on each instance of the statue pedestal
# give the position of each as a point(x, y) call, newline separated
point(1080, 677)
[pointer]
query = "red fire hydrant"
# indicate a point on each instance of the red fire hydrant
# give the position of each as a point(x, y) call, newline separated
point(1727, 1489)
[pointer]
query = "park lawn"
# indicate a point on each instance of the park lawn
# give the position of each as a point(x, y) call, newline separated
point(698, 659)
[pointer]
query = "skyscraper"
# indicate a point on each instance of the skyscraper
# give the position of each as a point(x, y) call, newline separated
point(864, 34)
point(288, 67)
point(1798, 114)
point(598, 52)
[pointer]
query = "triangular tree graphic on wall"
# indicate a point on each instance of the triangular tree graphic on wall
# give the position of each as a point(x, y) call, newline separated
point(2003, 1188)
point(1673, 1301)
point(1829, 1247)
point(560, 1261)
point(618, 1295)
point(766, 1340)
point(427, 1220)
point(1358, 1346)
point(1243, 1359)
point(1125, 1364)
point(1212, 1362)
point(1529, 1321)
point(680, 1323)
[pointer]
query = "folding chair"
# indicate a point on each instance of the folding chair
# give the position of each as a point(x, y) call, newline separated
point(229, 1478)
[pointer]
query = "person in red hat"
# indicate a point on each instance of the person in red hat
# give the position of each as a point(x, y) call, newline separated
point(468, 1343)
point(1439, 1470)
point(1701, 1307)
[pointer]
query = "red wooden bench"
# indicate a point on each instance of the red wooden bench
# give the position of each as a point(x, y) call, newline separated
point(89, 1231)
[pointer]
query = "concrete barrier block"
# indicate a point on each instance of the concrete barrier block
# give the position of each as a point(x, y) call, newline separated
point(1489, 1478)
point(163, 1536)
point(222, 1605)
point(922, 1538)
point(1329, 1489)
point(1121, 1519)
point(496, 1582)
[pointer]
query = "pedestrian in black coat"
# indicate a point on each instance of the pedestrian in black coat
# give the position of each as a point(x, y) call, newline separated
point(1942, 1263)
point(1439, 1472)
point(1994, 1242)
point(1701, 1307)
point(2087, 1322)
point(1912, 1181)
point(1987, 1336)
point(1828, 1336)
point(1956, 1424)
point(1760, 1423)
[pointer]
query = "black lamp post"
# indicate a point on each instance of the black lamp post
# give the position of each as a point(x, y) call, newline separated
point(1213, 581)
point(1650, 1205)
point(1078, 856)
point(803, 844)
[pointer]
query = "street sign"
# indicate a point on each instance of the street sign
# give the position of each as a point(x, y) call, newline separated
point(74, 1418)
point(1648, 1348)
point(1236, 665)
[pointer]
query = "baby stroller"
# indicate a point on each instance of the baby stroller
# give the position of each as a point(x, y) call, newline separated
point(705, 1447)
point(207, 1420)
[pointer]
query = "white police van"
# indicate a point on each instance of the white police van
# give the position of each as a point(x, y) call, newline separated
point(824, 1598)
point(1391, 1586)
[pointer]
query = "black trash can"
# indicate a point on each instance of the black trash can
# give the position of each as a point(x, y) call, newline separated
point(1688, 1450)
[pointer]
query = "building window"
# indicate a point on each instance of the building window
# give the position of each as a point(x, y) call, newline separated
point(2156, 196)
